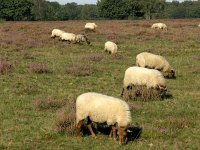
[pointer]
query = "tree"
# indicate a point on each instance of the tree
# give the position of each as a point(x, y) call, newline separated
point(113, 9)
point(152, 7)
point(89, 12)
point(52, 10)
point(70, 11)
point(15, 10)
point(135, 9)
point(38, 9)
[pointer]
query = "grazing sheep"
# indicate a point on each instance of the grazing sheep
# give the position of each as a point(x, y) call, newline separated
point(150, 78)
point(82, 38)
point(102, 108)
point(56, 33)
point(153, 61)
point(90, 26)
point(110, 47)
point(159, 26)
point(199, 25)
point(70, 37)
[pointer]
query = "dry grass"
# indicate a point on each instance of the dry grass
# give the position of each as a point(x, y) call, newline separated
point(95, 57)
point(141, 93)
point(196, 70)
point(66, 120)
point(31, 35)
point(48, 103)
point(5, 67)
point(81, 70)
point(38, 68)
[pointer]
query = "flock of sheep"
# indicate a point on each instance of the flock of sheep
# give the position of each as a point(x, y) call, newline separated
point(114, 111)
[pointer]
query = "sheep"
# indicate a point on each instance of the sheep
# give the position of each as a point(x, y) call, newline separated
point(153, 61)
point(70, 37)
point(139, 76)
point(90, 26)
point(110, 47)
point(159, 26)
point(56, 33)
point(82, 38)
point(102, 108)
point(199, 25)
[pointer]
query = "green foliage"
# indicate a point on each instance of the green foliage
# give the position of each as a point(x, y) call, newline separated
point(152, 7)
point(2, 20)
point(15, 10)
point(113, 9)
point(89, 12)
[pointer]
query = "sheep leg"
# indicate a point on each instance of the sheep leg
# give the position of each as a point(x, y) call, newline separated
point(114, 130)
point(113, 133)
point(89, 125)
point(122, 94)
point(78, 128)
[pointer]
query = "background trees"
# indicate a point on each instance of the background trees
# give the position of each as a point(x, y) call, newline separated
point(16, 10)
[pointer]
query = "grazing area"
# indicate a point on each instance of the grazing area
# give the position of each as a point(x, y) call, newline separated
point(41, 77)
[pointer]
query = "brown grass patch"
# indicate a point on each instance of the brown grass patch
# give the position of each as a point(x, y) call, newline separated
point(196, 57)
point(114, 37)
point(196, 70)
point(133, 106)
point(5, 67)
point(116, 30)
point(38, 68)
point(48, 103)
point(96, 57)
point(81, 70)
point(66, 120)
point(172, 125)
point(141, 93)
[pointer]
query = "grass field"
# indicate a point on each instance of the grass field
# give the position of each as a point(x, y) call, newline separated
point(35, 68)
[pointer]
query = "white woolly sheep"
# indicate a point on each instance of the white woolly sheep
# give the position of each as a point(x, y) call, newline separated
point(102, 108)
point(199, 25)
point(56, 33)
point(159, 26)
point(82, 38)
point(110, 47)
point(70, 37)
point(150, 78)
point(153, 61)
point(90, 26)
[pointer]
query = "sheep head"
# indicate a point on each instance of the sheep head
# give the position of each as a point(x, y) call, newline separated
point(162, 90)
point(122, 132)
point(171, 74)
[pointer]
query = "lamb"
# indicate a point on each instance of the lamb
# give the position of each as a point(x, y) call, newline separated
point(90, 26)
point(153, 61)
point(150, 78)
point(159, 26)
point(110, 47)
point(102, 108)
point(70, 37)
point(56, 33)
point(82, 38)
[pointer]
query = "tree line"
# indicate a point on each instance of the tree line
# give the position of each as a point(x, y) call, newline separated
point(29, 10)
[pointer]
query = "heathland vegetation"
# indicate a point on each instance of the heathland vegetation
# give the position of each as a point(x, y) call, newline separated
point(41, 77)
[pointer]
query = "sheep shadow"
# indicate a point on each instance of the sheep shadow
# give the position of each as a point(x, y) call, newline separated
point(168, 96)
point(133, 133)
